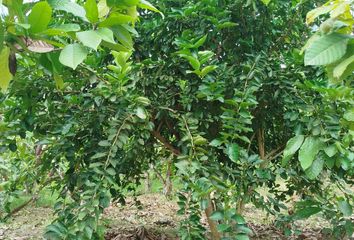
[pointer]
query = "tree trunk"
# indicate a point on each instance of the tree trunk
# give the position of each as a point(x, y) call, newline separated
point(168, 181)
point(215, 235)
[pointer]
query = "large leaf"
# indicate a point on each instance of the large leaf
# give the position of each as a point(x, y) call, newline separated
point(306, 212)
point(342, 66)
point(89, 38)
point(345, 208)
point(69, 7)
point(309, 150)
point(91, 10)
point(146, 5)
point(39, 17)
point(72, 55)
point(291, 147)
point(116, 19)
point(349, 115)
point(5, 76)
point(316, 168)
point(123, 36)
point(313, 14)
point(233, 151)
point(106, 34)
point(326, 50)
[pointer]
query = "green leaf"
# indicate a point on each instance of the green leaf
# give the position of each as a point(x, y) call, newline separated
point(342, 66)
point(146, 5)
point(308, 151)
point(39, 17)
point(331, 150)
point(140, 112)
point(216, 216)
point(349, 115)
point(99, 155)
point(326, 50)
point(89, 38)
point(207, 70)
point(91, 10)
point(306, 212)
point(200, 42)
point(266, 2)
point(69, 7)
point(123, 36)
point(233, 151)
point(5, 76)
point(72, 55)
point(345, 208)
point(106, 34)
point(223, 227)
point(193, 62)
point(316, 168)
point(291, 147)
point(116, 19)
point(313, 14)
point(63, 28)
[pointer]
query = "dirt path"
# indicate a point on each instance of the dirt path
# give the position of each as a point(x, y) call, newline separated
point(148, 217)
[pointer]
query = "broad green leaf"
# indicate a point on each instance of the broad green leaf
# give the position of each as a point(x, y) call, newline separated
point(99, 155)
point(345, 208)
point(313, 14)
point(217, 215)
point(223, 227)
point(89, 38)
point(308, 151)
point(226, 25)
point(63, 28)
point(207, 70)
point(331, 150)
point(326, 50)
point(291, 147)
point(316, 168)
point(116, 19)
point(72, 55)
point(5, 76)
point(233, 151)
point(123, 36)
point(91, 10)
point(349, 115)
point(193, 62)
point(39, 17)
point(306, 212)
point(103, 9)
point(140, 112)
point(106, 34)
point(342, 66)
point(69, 7)
point(200, 42)
point(146, 5)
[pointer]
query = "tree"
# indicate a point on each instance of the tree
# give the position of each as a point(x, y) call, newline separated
point(219, 84)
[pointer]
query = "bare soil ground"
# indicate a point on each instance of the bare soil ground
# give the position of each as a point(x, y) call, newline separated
point(153, 219)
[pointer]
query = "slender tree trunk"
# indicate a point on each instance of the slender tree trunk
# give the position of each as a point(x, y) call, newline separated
point(168, 181)
point(261, 151)
point(147, 182)
point(215, 235)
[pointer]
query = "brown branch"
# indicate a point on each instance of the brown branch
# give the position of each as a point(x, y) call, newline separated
point(166, 143)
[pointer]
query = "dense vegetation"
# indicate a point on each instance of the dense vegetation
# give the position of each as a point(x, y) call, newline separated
point(230, 96)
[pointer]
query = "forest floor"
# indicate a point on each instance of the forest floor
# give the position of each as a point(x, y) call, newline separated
point(154, 218)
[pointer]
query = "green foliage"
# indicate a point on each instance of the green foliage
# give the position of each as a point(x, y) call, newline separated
point(220, 85)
